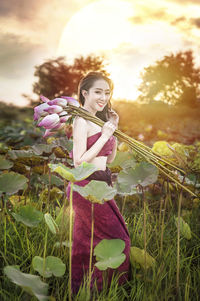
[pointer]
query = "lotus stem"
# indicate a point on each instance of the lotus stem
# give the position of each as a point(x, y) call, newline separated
point(70, 242)
point(143, 150)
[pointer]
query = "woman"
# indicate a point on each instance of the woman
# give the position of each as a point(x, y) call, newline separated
point(95, 145)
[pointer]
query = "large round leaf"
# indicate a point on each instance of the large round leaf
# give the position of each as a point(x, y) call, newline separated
point(28, 215)
point(5, 164)
point(50, 266)
point(75, 174)
point(12, 182)
point(143, 174)
point(96, 191)
point(39, 149)
point(54, 180)
point(109, 254)
point(120, 158)
point(138, 255)
point(30, 283)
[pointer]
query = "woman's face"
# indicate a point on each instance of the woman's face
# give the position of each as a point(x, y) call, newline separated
point(97, 96)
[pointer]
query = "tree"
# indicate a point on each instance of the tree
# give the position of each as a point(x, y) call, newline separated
point(173, 80)
point(57, 78)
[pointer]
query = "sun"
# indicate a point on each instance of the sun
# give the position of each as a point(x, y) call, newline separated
point(105, 28)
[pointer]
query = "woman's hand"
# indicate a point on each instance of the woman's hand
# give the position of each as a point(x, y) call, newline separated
point(113, 117)
point(108, 129)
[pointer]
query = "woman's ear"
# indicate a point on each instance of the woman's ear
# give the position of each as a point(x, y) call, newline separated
point(84, 93)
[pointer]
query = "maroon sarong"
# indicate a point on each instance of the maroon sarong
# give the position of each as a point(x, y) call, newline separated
point(108, 224)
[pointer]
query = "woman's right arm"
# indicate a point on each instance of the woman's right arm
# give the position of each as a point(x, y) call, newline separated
point(80, 152)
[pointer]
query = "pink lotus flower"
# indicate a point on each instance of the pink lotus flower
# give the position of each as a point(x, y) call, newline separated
point(48, 133)
point(40, 111)
point(50, 121)
point(43, 98)
point(72, 101)
point(58, 101)
point(53, 109)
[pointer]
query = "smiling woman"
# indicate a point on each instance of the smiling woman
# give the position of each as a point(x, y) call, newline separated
point(95, 145)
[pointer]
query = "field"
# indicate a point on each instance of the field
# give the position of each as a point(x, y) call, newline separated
point(163, 220)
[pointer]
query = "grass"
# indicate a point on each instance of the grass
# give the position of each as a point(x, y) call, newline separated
point(18, 246)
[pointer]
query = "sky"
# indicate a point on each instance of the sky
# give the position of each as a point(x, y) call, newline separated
point(129, 34)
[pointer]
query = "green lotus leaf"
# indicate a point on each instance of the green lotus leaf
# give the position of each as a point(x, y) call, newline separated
point(54, 180)
point(5, 164)
point(142, 174)
point(12, 182)
point(75, 174)
point(65, 143)
point(120, 158)
point(184, 228)
point(53, 227)
point(125, 189)
point(50, 266)
point(39, 149)
point(109, 254)
point(96, 191)
point(138, 255)
point(15, 154)
point(28, 215)
point(30, 283)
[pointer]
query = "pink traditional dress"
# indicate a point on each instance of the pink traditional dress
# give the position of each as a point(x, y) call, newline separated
point(108, 224)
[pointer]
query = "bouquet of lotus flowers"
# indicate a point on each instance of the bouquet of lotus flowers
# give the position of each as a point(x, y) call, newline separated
point(53, 114)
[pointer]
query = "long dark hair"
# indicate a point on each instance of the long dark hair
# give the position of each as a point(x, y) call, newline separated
point(87, 82)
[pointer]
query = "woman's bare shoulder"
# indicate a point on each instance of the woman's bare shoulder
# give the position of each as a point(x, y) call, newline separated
point(79, 121)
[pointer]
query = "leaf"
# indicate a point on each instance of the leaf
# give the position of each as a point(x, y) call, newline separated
point(15, 154)
point(30, 283)
point(28, 215)
point(50, 266)
point(125, 189)
point(39, 149)
point(184, 228)
point(75, 174)
point(142, 174)
point(54, 180)
point(138, 255)
point(12, 182)
point(53, 227)
point(5, 164)
point(96, 191)
point(120, 158)
point(109, 254)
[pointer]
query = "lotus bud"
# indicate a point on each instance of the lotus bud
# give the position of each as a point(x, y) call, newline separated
point(48, 133)
point(43, 98)
point(50, 121)
point(53, 109)
point(58, 101)
point(64, 118)
point(72, 101)
point(40, 111)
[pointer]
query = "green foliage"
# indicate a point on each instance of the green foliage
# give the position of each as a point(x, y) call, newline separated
point(28, 215)
point(53, 227)
point(76, 174)
point(142, 174)
point(173, 79)
point(96, 191)
point(109, 254)
point(5, 164)
point(30, 283)
point(12, 182)
point(137, 255)
point(57, 78)
point(184, 228)
point(49, 266)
